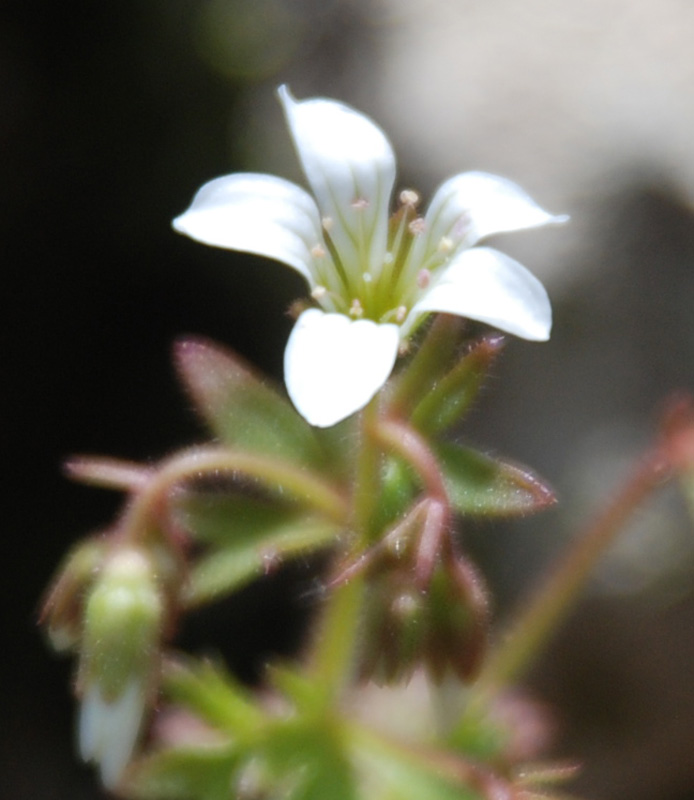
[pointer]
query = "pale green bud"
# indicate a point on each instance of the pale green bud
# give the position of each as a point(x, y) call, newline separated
point(120, 651)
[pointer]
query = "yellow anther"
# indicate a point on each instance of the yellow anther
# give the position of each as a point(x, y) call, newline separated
point(445, 245)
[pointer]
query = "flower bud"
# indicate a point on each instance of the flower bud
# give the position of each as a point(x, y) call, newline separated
point(442, 626)
point(122, 628)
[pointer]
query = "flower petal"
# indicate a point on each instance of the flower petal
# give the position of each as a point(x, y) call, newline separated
point(473, 205)
point(256, 213)
point(488, 286)
point(334, 365)
point(350, 167)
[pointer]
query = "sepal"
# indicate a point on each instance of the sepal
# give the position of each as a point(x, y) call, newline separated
point(479, 485)
point(62, 609)
point(450, 398)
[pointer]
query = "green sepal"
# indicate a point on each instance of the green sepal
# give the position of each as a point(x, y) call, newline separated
point(248, 538)
point(398, 489)
point(479, 485)
point(122, 625)
point(450, 398)
point(210, 693)
point(243, 411)
point(204, 772)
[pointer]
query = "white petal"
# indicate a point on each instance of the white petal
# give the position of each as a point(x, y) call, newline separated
point(350, 166)
point(488, 286)
point(108, 731)
point(473, 205)
point(334, 365)
point(256, 213)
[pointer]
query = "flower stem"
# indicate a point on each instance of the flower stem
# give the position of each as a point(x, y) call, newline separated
point(150, 501)
point(335, 644)
point(555, 597)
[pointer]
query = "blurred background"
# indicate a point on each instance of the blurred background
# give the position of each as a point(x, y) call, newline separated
point(113, 114)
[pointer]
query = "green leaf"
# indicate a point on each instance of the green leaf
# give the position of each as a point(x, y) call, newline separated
point(309, 762)
point(450, 398)
point(194, 773)
point(249, 537)
point(209, 692)
point(482, 486)
point(241, 410)
point(393, 774)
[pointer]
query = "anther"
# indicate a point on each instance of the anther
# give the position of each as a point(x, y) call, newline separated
point(360, 202)
point(356, 310)
point(445, 244)
point(408, 197)
point(318, 292)
point(423, 278)
point(462, 225)
point(400, 314)
point(318, 251)
point(367, 277)
point(417, 226)
point(327, 223)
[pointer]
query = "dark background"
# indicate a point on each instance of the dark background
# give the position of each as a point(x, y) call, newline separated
point(111, 115)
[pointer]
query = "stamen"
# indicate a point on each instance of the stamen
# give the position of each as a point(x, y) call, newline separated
point(360, 202)
point(423, 278)
point(388, 258)
point(462, 225)
point(318, 251)
point(319, 292)
point(327, 223)
point(445, 245)
point(367, 277)
point(356, 309)
point(417, 226)
point(408, 197)
point(400, 314)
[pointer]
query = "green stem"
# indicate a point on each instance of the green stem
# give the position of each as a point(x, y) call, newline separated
point(335, 645)
point(557, 595)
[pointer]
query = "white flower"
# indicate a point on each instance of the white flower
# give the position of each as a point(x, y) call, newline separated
point(374, 280)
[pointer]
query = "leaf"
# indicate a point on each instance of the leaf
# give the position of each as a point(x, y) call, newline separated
point(200, 773)
point(479, 485)
point(392, 774)
point(209, 692)
point(248, 544)
point(241, 410)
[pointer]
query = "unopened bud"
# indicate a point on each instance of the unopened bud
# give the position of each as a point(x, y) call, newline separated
point(122, 628)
